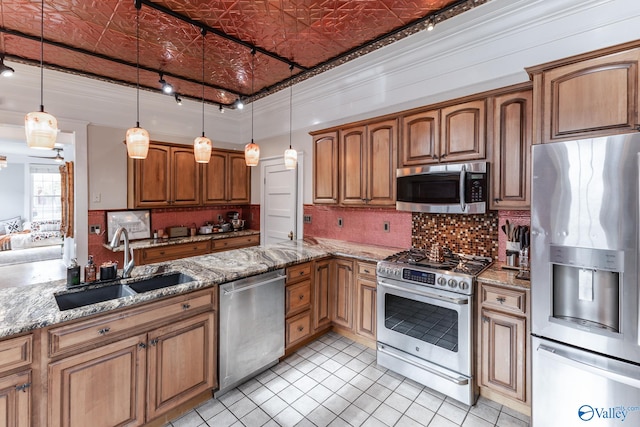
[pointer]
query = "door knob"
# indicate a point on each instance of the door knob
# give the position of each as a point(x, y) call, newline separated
point(290, 235)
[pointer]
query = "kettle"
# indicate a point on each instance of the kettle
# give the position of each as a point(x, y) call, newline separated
point(238, 224)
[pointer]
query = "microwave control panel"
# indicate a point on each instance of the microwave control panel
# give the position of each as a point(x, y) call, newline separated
point(477, 187)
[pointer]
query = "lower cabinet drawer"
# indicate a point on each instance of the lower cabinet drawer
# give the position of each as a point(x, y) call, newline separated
point(297, 328)
point(297, 297)
point(503, 298)
point(167, 253)
point(15, 353)
point(235, 242)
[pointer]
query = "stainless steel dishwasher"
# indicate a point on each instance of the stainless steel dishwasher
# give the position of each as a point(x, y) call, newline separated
point(251, 327)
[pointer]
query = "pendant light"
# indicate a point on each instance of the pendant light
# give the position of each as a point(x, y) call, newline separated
point(290, 155)
point(202, 144)
point(137, 138)
point(41, 128)
point(251, 150)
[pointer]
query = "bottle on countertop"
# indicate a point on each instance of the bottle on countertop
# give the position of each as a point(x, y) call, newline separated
point(73, 273)
point(90, 271)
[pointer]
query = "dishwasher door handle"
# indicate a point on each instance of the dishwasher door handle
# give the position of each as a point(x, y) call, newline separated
point(251, 286)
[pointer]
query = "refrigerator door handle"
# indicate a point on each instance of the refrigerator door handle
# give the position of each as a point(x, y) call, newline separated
point(574, 360)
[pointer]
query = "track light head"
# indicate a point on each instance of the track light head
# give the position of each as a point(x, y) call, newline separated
point(5, 70)
point(221, 109)
point(239, 104)
point(178, 99)
point(431, 25)
point(166, 87)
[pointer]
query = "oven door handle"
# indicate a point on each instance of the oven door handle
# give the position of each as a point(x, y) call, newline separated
point(457, 381)
point(463, 177)
point(458, 301)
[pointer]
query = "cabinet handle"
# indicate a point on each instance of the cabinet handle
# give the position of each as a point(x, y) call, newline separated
point(301, 273)
point(103, 331)
point(142, 345)
point(161, 252)
point(186, 306)
point(443, 156)
point(300, 328)
point(23, 387)
point(501, 300)
point(153, 342)
point(366, 271)
point(301, 297)
point(434, 157)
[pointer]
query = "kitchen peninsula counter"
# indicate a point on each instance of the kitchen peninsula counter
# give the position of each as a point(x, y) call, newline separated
point(27, 308)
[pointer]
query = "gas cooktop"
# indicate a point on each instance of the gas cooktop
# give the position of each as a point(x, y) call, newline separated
point(454, 272)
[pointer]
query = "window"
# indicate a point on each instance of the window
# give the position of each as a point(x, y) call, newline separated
point(45, 192)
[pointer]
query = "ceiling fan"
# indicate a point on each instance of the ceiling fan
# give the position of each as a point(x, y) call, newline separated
point(58, 157)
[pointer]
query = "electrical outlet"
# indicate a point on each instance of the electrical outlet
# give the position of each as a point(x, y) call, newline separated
point(306, 219)
point(339, 222)
point(219, 217)
point(94, 229)
point(386, 226)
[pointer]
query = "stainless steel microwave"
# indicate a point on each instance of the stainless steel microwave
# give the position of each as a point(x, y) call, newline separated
point(459, 188)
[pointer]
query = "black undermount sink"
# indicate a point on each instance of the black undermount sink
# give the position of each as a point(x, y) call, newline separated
point(159, 282)
point(77, 299)
point(80, 298)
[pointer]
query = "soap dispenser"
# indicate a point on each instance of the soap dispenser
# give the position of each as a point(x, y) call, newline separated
point(90, 271)
point(73, 273)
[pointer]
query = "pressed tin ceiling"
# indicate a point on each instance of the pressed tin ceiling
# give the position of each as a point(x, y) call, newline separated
point(97, 38)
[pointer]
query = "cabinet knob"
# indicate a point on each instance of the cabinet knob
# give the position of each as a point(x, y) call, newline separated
point(103, 331)
point(154, 342)
point(142, 345)
point(301, 273)
point(301, 297)
point(186, 306)
point(161, 252)
point(300, 328)
point(434, 157)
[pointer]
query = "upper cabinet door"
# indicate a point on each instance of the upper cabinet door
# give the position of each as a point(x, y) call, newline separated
point(185, 173)
point(325, 168)
point(420, 138)
point(463, 130)
point(214, 176)
point(353, 166)
point(239, 180)
point(152, 177)
point(589, 98)
point(512, 137)
point(381, 163)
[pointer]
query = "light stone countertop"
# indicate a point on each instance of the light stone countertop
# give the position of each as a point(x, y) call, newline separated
point(153, 243)
point(496, 275)
point(26, 308)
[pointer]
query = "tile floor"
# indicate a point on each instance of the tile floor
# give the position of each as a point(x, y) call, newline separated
point(336, 382)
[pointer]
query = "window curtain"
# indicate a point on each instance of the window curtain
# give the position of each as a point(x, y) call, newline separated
point(67, 200)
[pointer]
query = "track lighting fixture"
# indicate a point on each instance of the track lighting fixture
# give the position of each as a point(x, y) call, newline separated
point(5, 70)
point(221, 109)
point(431, 25)
point(41, 128)
point(166, 87)
point(178, 99)
point(202, 144)
point(137, 138)
point(252, 150)
point(290, 155)
point(239, 104)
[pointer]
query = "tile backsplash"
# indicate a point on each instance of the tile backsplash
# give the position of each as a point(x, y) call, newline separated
point(468, 234)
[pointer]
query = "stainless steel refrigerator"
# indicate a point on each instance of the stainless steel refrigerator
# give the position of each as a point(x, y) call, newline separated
point(584, 282)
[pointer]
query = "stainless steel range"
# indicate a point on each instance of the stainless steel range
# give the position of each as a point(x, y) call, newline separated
point(425, 319)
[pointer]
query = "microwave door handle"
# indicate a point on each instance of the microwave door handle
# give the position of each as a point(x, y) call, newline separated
point(463, 173)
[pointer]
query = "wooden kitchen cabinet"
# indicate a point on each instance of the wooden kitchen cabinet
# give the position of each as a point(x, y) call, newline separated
point(167, 253)
point(341, 293)
point(589, 95)
point(452, 133)
point(15, 400)
point(129, 367)
point(368, 162)
point(218, 245)
point(504, 356)
point(325, 168)
point(16, 391)
point(181, 362)
point(365, 300)
point(321, 295)
point(512, 138)
point(298, 300)
point(169, 176)
point(226, 179)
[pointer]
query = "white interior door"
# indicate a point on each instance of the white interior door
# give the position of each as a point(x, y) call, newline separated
point(279, 210)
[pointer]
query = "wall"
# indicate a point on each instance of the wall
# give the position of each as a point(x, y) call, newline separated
point(12, 182)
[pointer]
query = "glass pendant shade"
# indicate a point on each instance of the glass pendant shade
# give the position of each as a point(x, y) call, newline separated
point(290, 158)
point(3, 162)
point(252, 154)
point(41, 130)
point(202, 149)
point(137, 143)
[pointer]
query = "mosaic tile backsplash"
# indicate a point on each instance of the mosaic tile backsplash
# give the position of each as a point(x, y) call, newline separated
point(468, 234)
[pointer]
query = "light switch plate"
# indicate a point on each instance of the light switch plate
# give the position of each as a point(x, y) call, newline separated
point(339, 222)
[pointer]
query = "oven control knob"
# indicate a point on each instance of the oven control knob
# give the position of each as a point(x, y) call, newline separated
point(463, 285)
point(442, 281)
point(452, 283)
